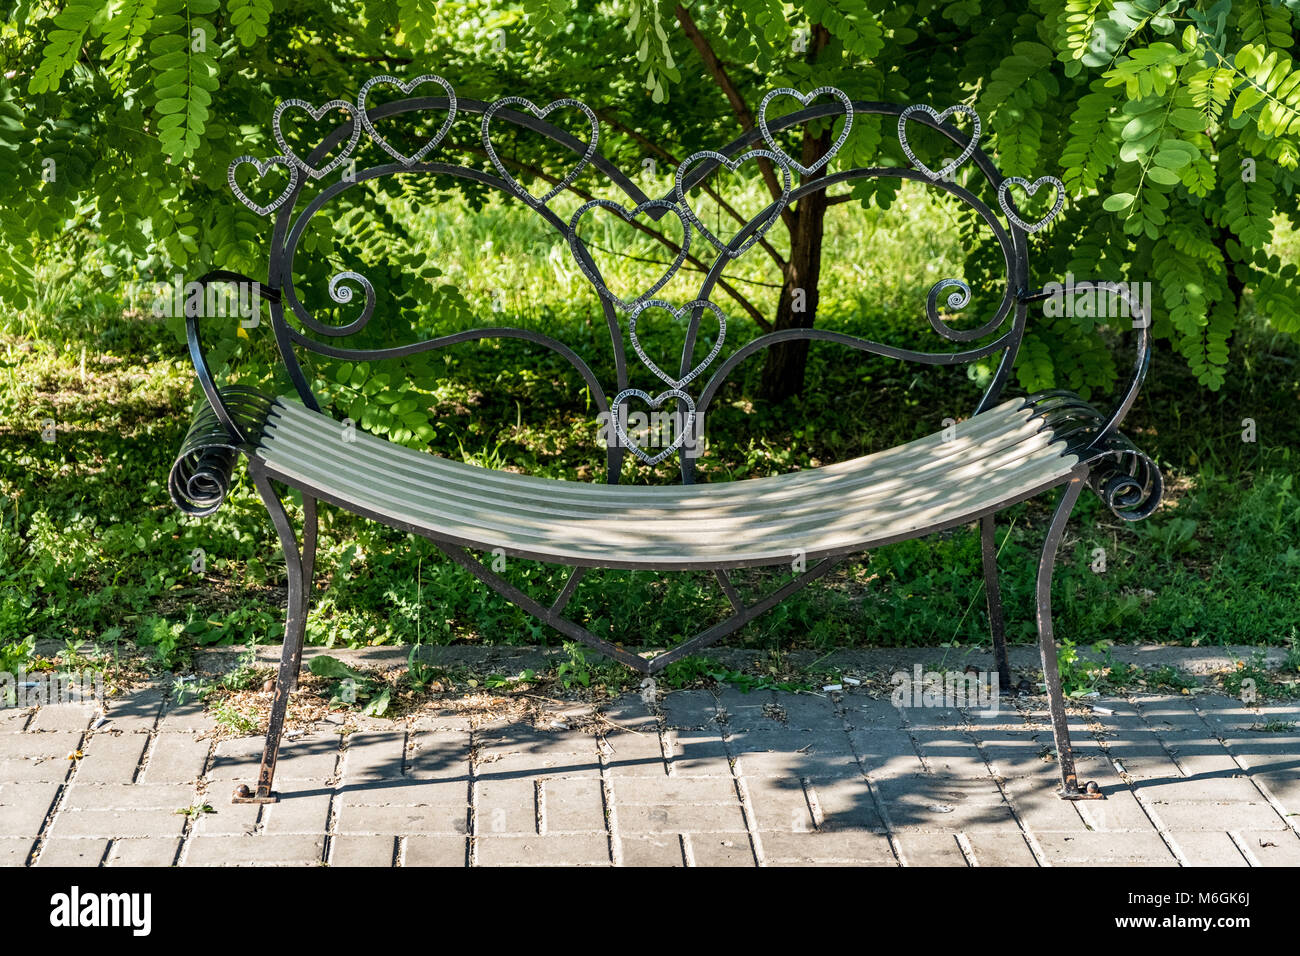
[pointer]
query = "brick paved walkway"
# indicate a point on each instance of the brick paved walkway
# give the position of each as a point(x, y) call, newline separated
point(763, 778)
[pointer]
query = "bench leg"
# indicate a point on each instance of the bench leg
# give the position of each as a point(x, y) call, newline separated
point(299, 567)
point(1047, 645)
point(993, 596)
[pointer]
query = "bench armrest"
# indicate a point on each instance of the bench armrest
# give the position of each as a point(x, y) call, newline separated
point(192, 336)
point(224, 425)
point(1141, 322)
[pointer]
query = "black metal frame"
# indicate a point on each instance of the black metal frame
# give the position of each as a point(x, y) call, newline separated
point(232, 418)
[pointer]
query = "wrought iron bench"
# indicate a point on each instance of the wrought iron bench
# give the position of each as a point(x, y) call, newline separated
point(1009, 450)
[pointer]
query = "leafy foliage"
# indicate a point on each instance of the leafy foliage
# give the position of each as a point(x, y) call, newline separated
point(1175, 127)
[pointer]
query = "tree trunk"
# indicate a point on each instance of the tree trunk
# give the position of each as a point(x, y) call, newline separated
point(783, 372)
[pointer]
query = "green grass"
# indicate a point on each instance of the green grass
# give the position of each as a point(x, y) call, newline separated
point(91, 548)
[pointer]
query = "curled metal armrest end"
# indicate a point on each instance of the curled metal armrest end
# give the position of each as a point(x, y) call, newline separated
point(1126, 479)
point(203, 471)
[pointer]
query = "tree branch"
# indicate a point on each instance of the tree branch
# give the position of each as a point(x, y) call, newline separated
point(738, 105)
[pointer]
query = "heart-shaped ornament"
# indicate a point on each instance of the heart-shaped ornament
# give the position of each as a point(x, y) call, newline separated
point(805, 100)
point(733, 165)
point(628, 215)
point(679, 315)
point(542, 113)
point(678, 440)
point(938, 118)
point(262, 166)
point(406, 87)
point(1030, 188)
point(348, 109)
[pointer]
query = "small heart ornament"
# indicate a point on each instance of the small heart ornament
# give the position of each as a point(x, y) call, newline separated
point(679, 314)
point(316, 113)
point(1030, 188)
point(262, 166)
point(542, 113)
point(406, 87)
point(805, 100)
point(678, 441)
point(733, 165)
point(628, 215)
point(938, 118)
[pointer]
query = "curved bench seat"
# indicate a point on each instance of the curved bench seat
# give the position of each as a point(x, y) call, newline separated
point(996, 458)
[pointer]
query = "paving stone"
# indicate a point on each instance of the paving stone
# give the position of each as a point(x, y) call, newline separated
point(1199, 790)
point(351, 849)
point(438, 756)
point(792, 754)
point(1098, 848)
point(13, 720)
point(232, 819)
point(402, 820)
point(1272, 848)
point(696, 753)
point(403, 792)
point(145, 851)
point(952, 753)
point(851, 846)
point(127, 796)
point(70, 852)
point(652, 849)
point(1121, 810)
point(14, 851)
point(931, 849)
point(1208, 848)
point(298, 814)
point(36, 757)
point(679, 818)
point(67, 717)
point(572, 804)
point(176, 758)
point(690, 710)
point(425, 850)
point(719, 849)
point(299, 849)
point(1217, 816)
point(24, 807)
point(811, 713)
point(188, 718)
point(507, 806)
point(138, 710)
point(111, 757)
point(313, 757)
point(576, 849)
point(634, 755)
point(516, 739)
point(999, 848)
point(117, 823)
point(694, 790)
point(943, 803)
point(1142, 755)
point(528, 766)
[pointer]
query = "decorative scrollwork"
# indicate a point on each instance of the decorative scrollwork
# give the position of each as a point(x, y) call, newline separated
point(406, 86)
point(628, 215)
point(733, 164)
point(201, 476)
point(1030, 189)
point(948, 169)
point(957, 299)
point(348, 109)
point(1128, 481)
point(804, 100)
point(541, 113)
point(685, 432)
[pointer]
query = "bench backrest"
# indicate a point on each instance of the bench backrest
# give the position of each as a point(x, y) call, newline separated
point(694, 385)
